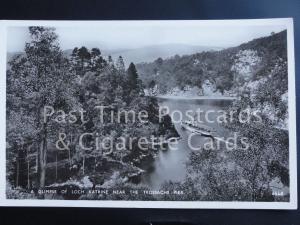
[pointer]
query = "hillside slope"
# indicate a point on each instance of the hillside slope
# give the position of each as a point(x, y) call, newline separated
point(217, 72)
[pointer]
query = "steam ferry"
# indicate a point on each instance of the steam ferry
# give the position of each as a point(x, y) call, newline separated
point(195, 127)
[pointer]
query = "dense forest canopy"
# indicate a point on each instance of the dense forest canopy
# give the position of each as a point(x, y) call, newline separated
point(43, 76)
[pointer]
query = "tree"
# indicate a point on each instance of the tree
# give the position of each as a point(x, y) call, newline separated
point(39, 78)
point(152, 88)
point(133, 85)
point(132, 76)
point(110, 61)
point(159, 61)
point(120, 66)
point(81, 60)
point(97, 63)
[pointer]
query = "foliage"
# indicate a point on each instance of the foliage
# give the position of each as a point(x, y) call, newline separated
point(43, 76)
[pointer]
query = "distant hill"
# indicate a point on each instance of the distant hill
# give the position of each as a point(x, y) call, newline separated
point(150, 53)
point(145, 54)
point(226, 69)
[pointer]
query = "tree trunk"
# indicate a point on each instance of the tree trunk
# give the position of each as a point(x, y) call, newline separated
point(37, 162)
point(56, 167)
point(28, 174)
point(28, 166)
point(70, 162)
point(17, 175)
point(83, 165)
point(43, 159)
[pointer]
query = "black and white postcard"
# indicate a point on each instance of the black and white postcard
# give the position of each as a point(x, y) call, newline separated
point(148, 114)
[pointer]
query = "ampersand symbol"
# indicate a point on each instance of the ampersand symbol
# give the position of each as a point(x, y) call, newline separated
point(60, 143)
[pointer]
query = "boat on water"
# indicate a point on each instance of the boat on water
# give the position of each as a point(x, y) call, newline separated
point(195, 127)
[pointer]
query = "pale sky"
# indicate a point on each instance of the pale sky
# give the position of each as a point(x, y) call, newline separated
point(111, 36)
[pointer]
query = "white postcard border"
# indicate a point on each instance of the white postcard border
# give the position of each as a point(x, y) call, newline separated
point(288, 22)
